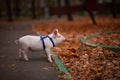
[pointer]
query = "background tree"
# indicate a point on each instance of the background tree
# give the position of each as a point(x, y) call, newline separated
point(17, 8)
point(49, 5)
point(1, 9)
point(9, 10)
point(33, 9)
point(85, 6)
point(114, 9)
point(59, 8)
point(0, 13)
point(38, 8)
point(68, 12)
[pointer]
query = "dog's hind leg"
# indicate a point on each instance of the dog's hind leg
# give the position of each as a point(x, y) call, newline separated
point(20, 53)
point(25, 55)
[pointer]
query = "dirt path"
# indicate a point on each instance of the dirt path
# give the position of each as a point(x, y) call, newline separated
point(38, 68)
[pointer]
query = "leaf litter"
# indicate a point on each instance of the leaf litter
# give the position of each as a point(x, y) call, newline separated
point(83, 62)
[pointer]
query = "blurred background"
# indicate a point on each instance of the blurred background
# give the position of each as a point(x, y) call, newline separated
point(36, 9)
point(75, 19)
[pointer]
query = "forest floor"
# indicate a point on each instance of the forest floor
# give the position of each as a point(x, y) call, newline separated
point(83, 62)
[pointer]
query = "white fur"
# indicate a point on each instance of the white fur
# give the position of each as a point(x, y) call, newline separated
point(33, 43)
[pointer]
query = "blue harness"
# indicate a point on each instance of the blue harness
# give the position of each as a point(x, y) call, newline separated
point(43, 43)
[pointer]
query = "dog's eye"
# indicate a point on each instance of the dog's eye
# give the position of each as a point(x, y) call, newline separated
point(59, 36)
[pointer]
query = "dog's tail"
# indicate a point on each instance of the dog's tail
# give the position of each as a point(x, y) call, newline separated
point(17, 42)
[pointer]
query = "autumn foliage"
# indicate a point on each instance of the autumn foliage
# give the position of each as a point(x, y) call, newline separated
point(83, 62)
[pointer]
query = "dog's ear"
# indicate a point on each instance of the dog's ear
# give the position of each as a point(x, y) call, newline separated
point(55, 32)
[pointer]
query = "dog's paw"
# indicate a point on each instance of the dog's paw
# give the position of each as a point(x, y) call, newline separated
point(50, 60)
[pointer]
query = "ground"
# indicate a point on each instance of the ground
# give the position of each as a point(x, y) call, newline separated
point(38, 68)
point(83, 62)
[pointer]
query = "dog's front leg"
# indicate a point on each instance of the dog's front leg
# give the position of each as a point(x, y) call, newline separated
point(48, 52)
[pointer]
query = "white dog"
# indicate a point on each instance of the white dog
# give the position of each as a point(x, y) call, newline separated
point(34, 43)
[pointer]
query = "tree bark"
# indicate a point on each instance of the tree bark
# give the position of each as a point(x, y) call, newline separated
point(9, 10)
point(33, 9)
point(59, 8)
point(0, 13)
point(91, 15)
point(68, 12)
point(17, 8)
point(114, 10)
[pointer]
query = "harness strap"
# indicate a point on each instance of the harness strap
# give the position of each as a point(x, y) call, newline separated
point(43, 43)
point(51, 40)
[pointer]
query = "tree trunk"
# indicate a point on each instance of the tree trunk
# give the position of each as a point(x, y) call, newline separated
point(38, 8)
point(9, 10)
point(33, 9)
point(0, 13)
point(89, 11)
point(113, 9)
point(68, 12)
point(17, 8)
point(91, 15)
point(59, 8)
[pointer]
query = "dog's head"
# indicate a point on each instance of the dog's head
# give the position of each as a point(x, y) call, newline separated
point(57, 37)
